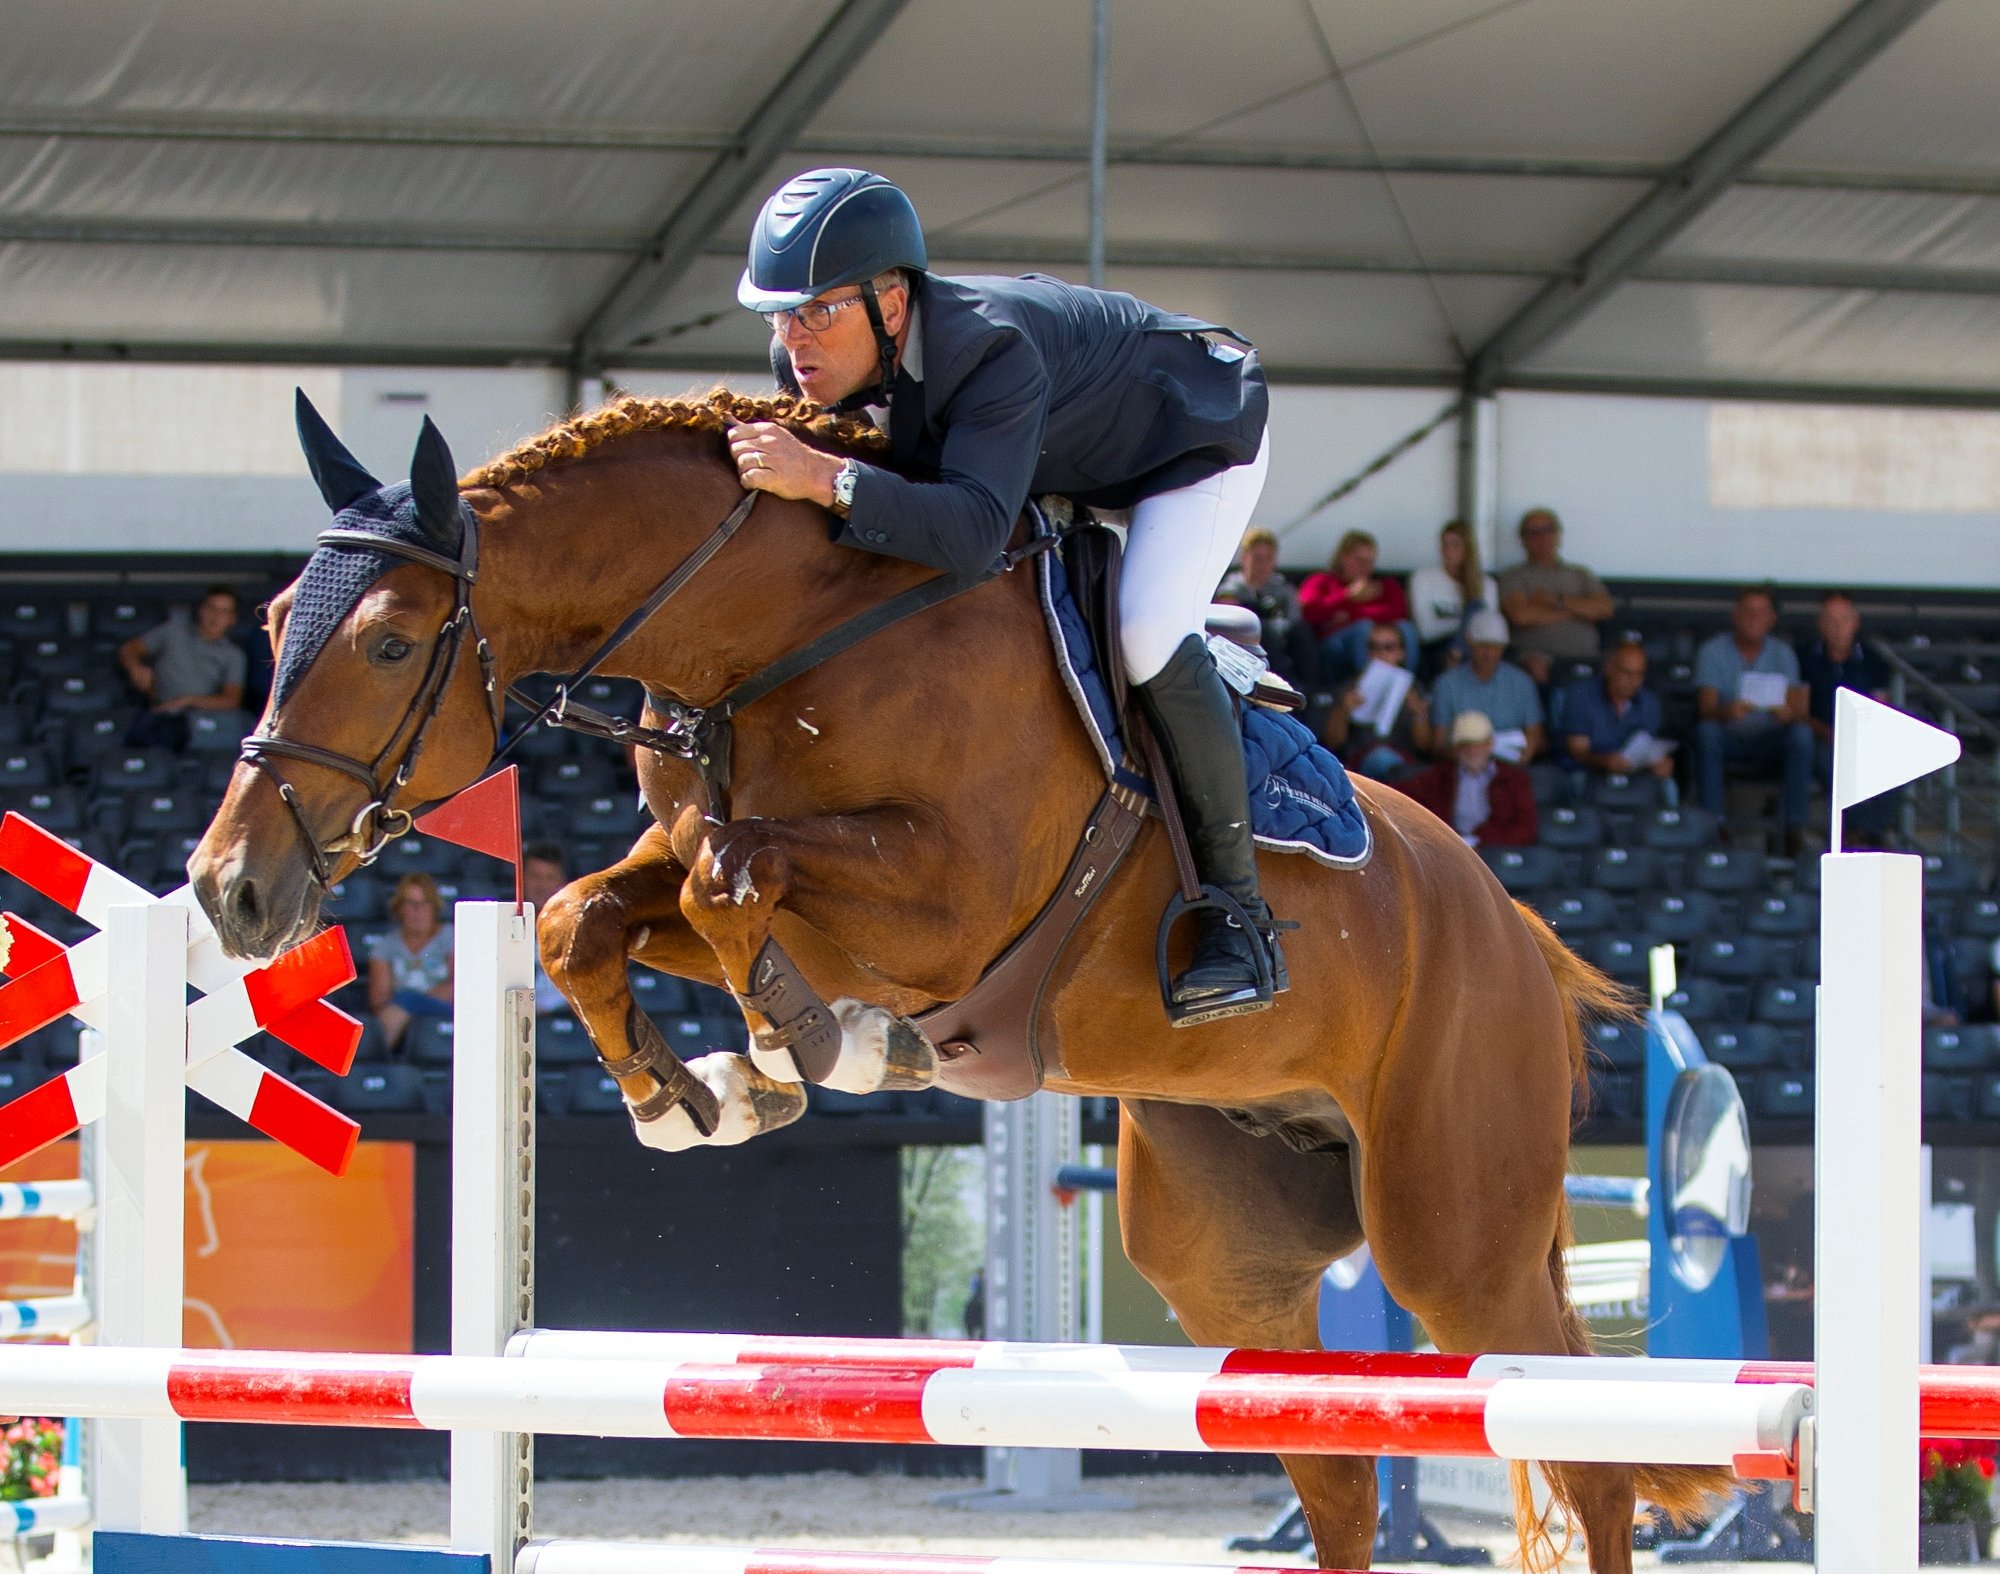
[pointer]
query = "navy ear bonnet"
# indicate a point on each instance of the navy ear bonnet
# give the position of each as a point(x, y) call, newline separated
point(424, 511)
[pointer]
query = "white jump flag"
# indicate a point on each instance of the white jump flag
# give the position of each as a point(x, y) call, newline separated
point(1876, 748)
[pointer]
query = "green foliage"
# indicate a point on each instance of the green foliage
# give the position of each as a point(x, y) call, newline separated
point(33, 1456)
point(1956, 1481)
point(943, 1244)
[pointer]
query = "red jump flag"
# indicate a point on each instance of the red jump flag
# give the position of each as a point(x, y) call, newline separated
point(485, 817)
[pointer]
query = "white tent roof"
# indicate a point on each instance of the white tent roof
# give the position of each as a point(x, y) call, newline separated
point(1792, 197)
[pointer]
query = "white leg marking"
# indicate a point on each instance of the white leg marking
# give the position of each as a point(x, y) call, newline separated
point(752, 1103)
point(877, 1046)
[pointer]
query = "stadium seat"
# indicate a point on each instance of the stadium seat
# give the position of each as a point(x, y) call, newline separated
point(14, 729)
point(1950, 874)
point(20, 1072)
point(1552, 783)
point(57, 809)
point(355, 900)
point(87, 739)
point(1785, 1001)
point(614, 696)
point(1782, 915)
point(134, 770)
point(1700, 1000)
point(594, 1092)
point(119, 620)
point(586, 777)
point(1731, 956)
point(1974, 1047)
point(418, 855)
point(1625, 869)
point(1679, 918)
point(1946, 1098)
point(217, 731)
point(1783, 1095)
point(22, 768)
point(1628, 794)
point(610, 817)
point(57, 658)
point(1622, 1044)
point(1522, 871)
point(705, 1000)
point(385, 1086)
point(561, 1040)
point(1726, 871)
point(1980, 916)
point(660, 994)
point(1614, 1095)
point(1571, 829)
point(1742, 1046)
point(1677, 830)
point(26, 618)
point(157, 813)
point(552, 1092)
point(1986, 1097)
point(1622, 956)
point(83, 694)
point(540, 743)
point(428, 1041)
point(1573, 914)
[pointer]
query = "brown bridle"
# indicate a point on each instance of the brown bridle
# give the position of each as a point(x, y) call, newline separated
point(378, 822)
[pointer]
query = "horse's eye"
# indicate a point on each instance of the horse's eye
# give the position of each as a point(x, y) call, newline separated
point(394, 649)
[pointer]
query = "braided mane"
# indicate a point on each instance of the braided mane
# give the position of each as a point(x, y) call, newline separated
point(580, 435)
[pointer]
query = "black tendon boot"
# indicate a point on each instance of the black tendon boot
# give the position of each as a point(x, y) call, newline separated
point(1195, 720)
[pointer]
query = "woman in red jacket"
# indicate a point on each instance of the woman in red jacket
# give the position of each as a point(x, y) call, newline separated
point(1345, 599)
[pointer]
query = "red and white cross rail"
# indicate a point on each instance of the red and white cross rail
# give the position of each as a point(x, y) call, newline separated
point(241, 998)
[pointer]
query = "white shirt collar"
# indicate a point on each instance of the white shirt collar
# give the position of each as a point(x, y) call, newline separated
point(912, 362)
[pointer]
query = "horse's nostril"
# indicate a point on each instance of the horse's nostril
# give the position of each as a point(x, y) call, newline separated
point(245, 906)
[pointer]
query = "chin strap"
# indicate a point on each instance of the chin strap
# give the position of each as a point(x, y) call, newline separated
point(885, 356)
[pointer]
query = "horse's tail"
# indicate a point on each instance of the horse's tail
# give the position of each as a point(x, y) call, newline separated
point(1682, 1492)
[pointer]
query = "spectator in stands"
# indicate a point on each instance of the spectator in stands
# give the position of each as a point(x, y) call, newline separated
point(1612, 722)
point(1382, 725)
point(185, 665)
point(1493, 686)
point(1837, 657)
point(542, 875)
point(1344, 598)
point(1487, 801)
point(409, 966)
point(1256, 583)
point(1444, 594)
point(1753, 711)
point(1553, 607)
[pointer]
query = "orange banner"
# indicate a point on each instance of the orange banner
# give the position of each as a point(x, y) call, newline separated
point(280, 1255)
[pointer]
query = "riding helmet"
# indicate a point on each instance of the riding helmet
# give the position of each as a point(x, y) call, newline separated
point(824, 229)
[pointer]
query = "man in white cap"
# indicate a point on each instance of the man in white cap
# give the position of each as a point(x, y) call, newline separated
point(1487, 801)
point(1490, 684)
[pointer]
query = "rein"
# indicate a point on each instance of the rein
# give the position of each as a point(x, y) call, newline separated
point(699, 734)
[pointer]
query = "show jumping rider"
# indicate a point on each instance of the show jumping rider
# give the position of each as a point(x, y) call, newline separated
point(993, 389)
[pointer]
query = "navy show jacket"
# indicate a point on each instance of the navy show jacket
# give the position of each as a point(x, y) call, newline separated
point(1032, 385)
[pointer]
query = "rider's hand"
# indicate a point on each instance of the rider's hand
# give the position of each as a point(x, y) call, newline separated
point(770, 459)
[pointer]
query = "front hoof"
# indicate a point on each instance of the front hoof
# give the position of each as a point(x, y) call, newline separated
point(750, 1102)
point(880, 1052)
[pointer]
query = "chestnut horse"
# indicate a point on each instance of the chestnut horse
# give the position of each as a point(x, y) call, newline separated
point(897, 816)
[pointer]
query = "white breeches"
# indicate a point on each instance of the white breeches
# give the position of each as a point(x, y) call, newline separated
point(1179, 546)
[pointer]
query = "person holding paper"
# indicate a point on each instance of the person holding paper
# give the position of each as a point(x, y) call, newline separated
point(1382, 725)
point(1753, 712)
point(1491, 685)
point(1611, 722)
point(1487, 801)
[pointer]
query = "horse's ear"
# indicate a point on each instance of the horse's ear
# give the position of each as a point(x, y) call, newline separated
point(342, 481)
point(434, 487)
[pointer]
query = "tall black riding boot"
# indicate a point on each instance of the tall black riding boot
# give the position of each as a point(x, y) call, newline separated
point(1195, 720)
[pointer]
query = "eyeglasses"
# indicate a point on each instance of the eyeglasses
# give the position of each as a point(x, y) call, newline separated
point(814, 316)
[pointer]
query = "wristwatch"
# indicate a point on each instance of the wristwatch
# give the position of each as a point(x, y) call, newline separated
point(844, 482)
